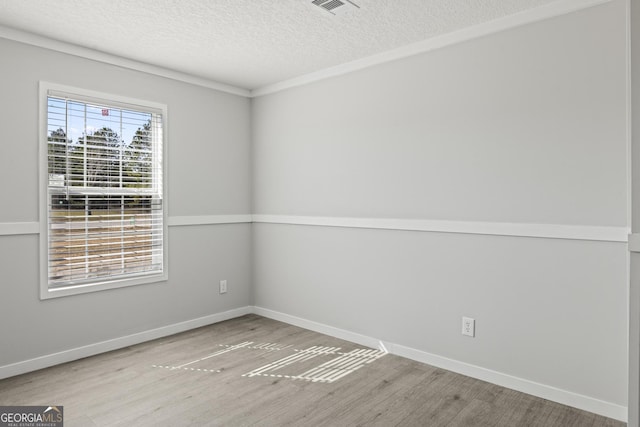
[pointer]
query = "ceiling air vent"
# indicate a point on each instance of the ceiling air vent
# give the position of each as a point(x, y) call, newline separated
point(336, 7)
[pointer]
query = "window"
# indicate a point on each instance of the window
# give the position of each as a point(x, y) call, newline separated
point(102, 215)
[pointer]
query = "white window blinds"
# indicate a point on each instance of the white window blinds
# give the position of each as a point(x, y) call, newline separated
point(104, 191)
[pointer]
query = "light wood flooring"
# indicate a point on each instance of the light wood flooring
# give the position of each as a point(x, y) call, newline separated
point(247, 372)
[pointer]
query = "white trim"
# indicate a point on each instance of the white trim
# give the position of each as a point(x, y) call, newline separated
point(208, 220)
point(547, 11)
point(48, 88)
point(160, 157)
point(95, 55)
point(116, 343)
point(318, 327)
point(631, 405)
point(634, 242)
point(24, 228)
point(549, 231)
point(629, 118)
point(46, 293)
point(43, 249)
point(544, 391)
point(564, 397)
point(17, 228)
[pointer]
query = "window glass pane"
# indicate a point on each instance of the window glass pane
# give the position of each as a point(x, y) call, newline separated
point(105, 210)
point(100, 236)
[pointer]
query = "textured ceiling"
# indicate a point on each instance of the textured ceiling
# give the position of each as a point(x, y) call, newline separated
point(248, 43)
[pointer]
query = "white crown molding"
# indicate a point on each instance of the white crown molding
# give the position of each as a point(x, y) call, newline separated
point(547, 11)
point(95, 55)
point(117, 343)
point(208, 220)
point(544, 391)
point(548, 231)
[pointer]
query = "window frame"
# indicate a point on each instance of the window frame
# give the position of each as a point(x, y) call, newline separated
point(47, 89)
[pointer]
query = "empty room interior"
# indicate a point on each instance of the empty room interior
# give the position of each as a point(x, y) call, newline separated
point(321, 212)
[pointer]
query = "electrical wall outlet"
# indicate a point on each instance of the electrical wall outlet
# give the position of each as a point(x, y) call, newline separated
point(468, 327)
point(223, 286)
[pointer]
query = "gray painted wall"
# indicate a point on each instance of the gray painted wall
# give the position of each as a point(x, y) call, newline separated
point(522, 126)
point(634, 292)
point(208, 174)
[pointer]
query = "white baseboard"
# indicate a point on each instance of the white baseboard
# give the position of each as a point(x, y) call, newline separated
point(116, 343)
point(554, 394)
point(318, 327)
point(564, 397)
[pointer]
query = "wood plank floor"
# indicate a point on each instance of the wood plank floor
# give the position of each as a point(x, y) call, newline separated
point(253, 371)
